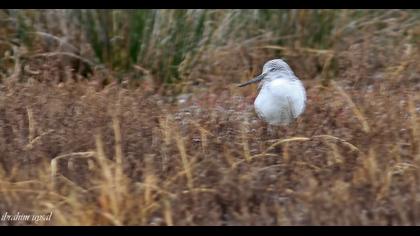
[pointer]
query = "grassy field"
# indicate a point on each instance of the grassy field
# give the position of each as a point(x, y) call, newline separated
point(133, 117)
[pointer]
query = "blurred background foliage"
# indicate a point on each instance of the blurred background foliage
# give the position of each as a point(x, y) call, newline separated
point(169, 43)
point(134, 117)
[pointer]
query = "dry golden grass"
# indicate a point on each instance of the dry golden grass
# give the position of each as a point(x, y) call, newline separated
point(195, 153)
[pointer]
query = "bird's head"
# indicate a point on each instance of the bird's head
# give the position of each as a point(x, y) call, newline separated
point(271, 67)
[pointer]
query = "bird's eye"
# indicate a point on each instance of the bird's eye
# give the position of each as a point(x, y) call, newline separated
point(273, 69)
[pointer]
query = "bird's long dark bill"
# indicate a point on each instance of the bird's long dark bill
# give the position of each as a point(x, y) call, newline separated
point(255, 80)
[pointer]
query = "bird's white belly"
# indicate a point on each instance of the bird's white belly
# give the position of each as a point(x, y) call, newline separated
point(280, 102)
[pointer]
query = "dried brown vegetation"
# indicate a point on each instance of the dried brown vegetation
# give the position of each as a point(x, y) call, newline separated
point(194, 153)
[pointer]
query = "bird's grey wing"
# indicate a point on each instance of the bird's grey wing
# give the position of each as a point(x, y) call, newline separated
point(291, 109)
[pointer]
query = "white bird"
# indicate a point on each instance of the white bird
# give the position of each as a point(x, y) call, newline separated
point(282, 97)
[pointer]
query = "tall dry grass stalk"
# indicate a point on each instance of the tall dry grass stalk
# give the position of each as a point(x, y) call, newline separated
point(132, 117)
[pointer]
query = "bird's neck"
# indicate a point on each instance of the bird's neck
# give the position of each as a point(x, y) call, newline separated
point(279, 76)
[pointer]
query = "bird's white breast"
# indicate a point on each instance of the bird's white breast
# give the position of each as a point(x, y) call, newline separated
point(280, 101)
